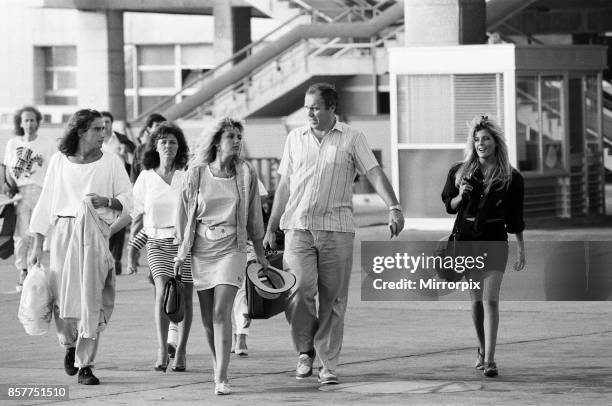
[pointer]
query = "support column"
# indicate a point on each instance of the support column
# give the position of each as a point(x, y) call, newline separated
point(232, 29)
point(242, 29)
point(444, 22)
point(100, 61)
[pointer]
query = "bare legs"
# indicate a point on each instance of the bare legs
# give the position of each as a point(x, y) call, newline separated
point(184, 328)
point(216, 309)
point(162, 322)
point(485, 310)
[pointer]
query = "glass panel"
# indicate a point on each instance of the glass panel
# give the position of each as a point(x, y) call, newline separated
point(198, 55)
point(190, 75)
point(129, 66)
point(129, 107)
point(527, 123)
point(157, 79)
point(60, 56)
point(553, 133)
point(421, 99)
point(591, 118)
point(60, 100)
point(148, 102)
point(156, 55)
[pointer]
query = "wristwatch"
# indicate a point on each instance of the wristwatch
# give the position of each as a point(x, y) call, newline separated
point(395, 207)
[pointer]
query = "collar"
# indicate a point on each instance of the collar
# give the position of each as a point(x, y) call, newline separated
point(338, 126)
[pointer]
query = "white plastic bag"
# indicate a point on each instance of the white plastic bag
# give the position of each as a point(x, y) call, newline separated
point(36, 304)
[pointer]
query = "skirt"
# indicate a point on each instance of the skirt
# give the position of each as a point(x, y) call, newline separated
point(160, 255)
point(492, 240)
point(217, 263)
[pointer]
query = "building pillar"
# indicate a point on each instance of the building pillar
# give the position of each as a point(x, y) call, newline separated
point(100, 61)
point(445, 22)
point(242, 29)
point(232, 29)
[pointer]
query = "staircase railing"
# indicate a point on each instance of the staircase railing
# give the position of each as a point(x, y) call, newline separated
point(268, 54)
point(216, 82)
point(208, 75)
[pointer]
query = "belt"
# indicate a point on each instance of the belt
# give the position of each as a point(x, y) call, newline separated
point(472, 219)
point(215, 232)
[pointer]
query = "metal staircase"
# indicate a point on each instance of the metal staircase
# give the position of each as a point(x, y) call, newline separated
point(270, 80)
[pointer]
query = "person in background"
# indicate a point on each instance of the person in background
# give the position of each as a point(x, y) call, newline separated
point(220, 210)
point(26, 160)
point(241, 319)
point(120, 145)
point(156, 197)
point(85, 190)
point(487, 195)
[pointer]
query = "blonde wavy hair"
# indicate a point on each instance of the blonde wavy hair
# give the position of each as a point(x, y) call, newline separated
point(206, 152)
point(501, 173)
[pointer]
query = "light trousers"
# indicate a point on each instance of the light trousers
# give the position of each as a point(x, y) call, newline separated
point(321, 262)
point(67, 329)
point(22, 237)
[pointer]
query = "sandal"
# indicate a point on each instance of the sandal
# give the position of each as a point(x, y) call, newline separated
point(479, 360)
point(490, 369)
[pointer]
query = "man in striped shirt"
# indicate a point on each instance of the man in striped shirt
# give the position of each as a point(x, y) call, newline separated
point(315, 192)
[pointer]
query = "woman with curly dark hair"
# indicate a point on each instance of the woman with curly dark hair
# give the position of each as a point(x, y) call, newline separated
point(84, 193)
point(486, 193)
point(156, 197)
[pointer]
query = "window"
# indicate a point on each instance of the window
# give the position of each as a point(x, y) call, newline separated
point(540, 132)
point(60, 75)
point(435, 109)
point(156, 72)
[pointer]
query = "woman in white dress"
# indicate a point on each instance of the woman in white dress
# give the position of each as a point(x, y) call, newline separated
point(220, 210)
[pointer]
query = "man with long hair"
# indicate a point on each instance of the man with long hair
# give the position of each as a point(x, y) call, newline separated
point(26, 159)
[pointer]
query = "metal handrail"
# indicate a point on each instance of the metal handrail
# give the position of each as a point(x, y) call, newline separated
point(211, 72)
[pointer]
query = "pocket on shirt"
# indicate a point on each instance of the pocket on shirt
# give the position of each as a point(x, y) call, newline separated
point(334, 156)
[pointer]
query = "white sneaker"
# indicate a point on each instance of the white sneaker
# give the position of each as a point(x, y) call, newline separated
point(222, 388)
point(327, 377)
point(304, 367)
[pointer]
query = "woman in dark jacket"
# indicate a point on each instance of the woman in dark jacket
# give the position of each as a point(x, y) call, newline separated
point(486, 193)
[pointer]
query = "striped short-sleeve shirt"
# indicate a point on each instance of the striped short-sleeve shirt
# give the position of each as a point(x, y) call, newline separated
point(321, 176)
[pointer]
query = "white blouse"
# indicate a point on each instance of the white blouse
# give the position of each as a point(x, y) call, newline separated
point(158, 202)
point(67, 183)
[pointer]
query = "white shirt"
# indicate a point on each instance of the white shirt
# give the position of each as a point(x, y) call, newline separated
point(27, 161)
point(158, 201)
point(67, 183)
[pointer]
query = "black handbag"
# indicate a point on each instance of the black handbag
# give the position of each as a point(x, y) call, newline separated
point(260, 307)
point(9, 220)
point(445, 249)
point(174, 300)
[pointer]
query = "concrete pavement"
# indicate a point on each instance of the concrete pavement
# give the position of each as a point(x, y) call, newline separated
point(555, 353)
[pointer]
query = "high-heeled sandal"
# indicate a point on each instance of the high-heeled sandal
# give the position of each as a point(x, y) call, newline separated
point(176, 367)
point(162, 367)
point(490, 369)
point(479, 360)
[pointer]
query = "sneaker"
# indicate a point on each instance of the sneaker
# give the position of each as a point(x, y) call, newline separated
point(479, 360)
point(69, 362)
point(86, 377)
point(304, 367)
point(222, 388)
point(490, 369)
point(327, 377)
